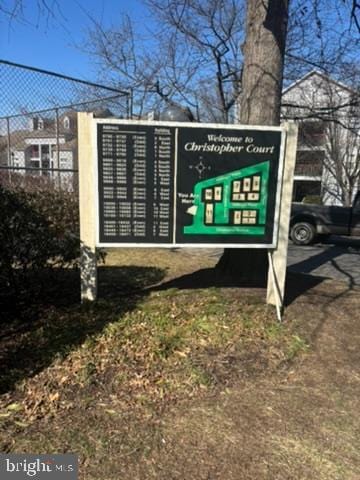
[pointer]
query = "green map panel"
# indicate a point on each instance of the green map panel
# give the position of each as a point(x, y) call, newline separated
point(234, 203)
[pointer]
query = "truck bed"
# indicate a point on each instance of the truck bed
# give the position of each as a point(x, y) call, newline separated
point(327, 219)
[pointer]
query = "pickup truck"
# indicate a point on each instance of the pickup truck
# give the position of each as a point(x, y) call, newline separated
point(310, 221)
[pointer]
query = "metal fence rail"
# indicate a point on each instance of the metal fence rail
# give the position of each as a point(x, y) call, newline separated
point(38, 123)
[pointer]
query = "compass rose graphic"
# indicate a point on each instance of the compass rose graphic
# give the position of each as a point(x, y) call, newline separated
point(200, 167)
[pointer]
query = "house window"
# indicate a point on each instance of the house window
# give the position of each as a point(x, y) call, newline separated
point(45, 152)
point(35, 165)
point(41, 160)
point(35, 151)
point(67, 123)
point(312, 133)
point(40, 124)
point(66, 163)
point(46, 165)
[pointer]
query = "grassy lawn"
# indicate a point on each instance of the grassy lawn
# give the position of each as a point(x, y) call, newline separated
point(177, 373)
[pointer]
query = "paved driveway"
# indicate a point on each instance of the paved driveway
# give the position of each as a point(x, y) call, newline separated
point(339, 258)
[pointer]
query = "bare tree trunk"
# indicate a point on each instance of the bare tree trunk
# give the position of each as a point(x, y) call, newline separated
point(260, 98)
point(264, 61)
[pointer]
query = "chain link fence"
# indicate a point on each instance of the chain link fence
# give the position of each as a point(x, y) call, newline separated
point(38, 124)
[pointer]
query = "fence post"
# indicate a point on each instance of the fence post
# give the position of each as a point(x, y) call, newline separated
point(58, 146)
point(9, 162)
point(88, 269)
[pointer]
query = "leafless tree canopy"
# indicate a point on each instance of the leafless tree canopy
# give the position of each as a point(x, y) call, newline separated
point(193, 55)
point(355, 12)
point(14, 10)
point(320, 36)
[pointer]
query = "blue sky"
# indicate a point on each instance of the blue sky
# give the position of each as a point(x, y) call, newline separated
point(54, 44)
point(51, 43)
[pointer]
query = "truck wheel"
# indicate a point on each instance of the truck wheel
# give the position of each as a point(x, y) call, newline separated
point(302, 233)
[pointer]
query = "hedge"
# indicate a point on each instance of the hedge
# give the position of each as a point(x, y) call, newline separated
point(38, 229)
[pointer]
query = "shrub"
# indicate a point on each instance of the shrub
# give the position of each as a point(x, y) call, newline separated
point(38, 229)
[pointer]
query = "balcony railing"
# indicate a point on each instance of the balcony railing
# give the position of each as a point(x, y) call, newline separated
point(309, 170)
point(312, 140)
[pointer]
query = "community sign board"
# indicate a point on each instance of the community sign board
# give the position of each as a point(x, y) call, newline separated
point(187, 184)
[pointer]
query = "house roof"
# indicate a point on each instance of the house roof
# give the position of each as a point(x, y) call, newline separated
point(99, 113)
point(18, 138)
point(323, 76)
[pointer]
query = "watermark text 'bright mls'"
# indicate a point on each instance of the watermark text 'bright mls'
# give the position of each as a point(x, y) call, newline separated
point(24, 466)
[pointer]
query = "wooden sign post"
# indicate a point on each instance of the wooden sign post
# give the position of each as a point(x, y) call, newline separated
point(278, 256)
point(87, 203)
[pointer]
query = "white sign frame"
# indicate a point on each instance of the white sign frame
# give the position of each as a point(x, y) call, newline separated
point(89, 205)
point(280, 174)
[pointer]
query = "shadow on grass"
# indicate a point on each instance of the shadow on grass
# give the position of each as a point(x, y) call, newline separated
point(297, 284)
point(119, 281)
point(209, 277)
point(54, 323)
